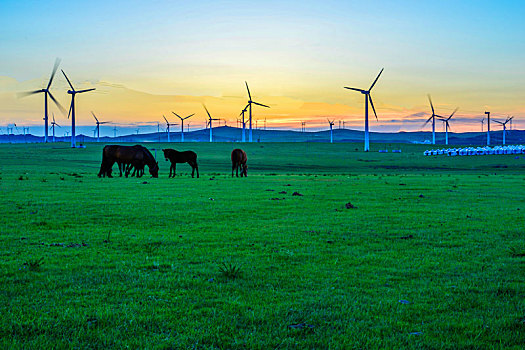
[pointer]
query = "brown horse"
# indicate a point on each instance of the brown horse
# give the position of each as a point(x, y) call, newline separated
point(239, 159)
point(136, 156)
point(175, 157)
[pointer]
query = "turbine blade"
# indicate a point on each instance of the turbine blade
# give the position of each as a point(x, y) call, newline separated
point(428, 121)
point(27, 93)
point(206, 110)
point(372, 104)
point(72, 88)
point(104, 122)
point(375, 81)
point(247, 88)
point(86, 90)
point(191, 115)
point(431, 105)
point(57, 62)
point(177, 115)
point(453, 113)
point(355, 89)
point(167, 122)
point(260, 104)
point(62, 109)
point(94, 116)
point(70, 107)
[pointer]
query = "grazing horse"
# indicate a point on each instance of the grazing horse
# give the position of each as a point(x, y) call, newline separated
point(175, 157)
point(239, 159)
point(136, 156)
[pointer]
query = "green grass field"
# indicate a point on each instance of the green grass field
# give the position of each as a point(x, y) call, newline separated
point(432, 254)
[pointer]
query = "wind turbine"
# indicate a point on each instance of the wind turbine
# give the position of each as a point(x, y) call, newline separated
point(488, 128)
point(168, 124)
point(504, 124)
point(331, 130)
point(97, 128)
point(53, 123)
point(482, 122)
point(73, 93)
point(244, 123)
point(433, 118)
point(182, 124)
point(250, 102)
point(210, 122)
point(367, 98)
point(46, 94)
point(447, 126)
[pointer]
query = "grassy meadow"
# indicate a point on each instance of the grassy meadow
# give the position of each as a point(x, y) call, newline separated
point(378, 250)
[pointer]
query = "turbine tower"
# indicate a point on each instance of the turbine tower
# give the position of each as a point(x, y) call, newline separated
point(447, 126)
point(245, 109)
point(250, 102)
point(168, 124)
point(331, 130)
point(46, 94)
point(367, 99)
point(244, 123)
point(73, 93)
point(488, 128)
point(210, 119)
point(182, 124)
point(97, 128)
point(504, 124)
point(433, 118)
point(53, 124)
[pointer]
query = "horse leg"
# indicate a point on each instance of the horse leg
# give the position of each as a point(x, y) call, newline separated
point(192, 168)
point(171, 170)
point(110, 169)
point(102, 169)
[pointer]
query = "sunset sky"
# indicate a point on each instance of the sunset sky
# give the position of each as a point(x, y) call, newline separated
point(147, 59)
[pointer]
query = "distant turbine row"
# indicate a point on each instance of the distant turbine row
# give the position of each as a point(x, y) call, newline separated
point(247, 108)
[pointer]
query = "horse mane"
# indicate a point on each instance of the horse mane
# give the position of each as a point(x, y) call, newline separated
point(150, 160)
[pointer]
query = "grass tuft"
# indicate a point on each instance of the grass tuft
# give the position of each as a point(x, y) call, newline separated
point(516, 251)
point(34, 264)
point(230, 270)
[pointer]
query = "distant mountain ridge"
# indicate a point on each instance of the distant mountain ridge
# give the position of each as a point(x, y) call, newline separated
point(231, 134)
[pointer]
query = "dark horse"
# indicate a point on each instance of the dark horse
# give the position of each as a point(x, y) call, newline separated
point(239, 159)
point(175, 157)
point(127, 156)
